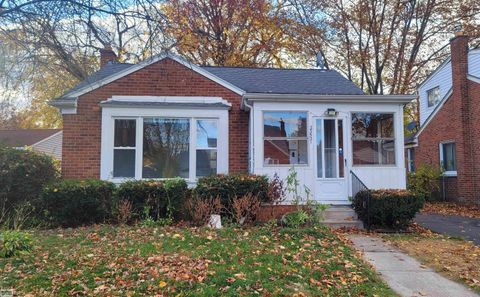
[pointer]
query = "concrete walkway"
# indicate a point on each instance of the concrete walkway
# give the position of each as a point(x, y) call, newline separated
point(404, 274)
point(466, 228)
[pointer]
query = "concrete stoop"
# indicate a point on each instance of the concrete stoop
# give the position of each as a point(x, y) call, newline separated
point(342, 216)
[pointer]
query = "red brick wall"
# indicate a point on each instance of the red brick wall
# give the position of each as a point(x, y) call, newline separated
point(81, 132)
point(459, 121)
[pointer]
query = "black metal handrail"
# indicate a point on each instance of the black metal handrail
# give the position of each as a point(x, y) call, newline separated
point(357, 186)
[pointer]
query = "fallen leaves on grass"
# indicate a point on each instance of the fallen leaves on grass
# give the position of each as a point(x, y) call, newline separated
point(457, 259)
point(449, 208)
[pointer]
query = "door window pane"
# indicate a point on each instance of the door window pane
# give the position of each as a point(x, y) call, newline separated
point(330, 148)
point(341, 158)
point(166, 148)
point(319, 139)
point(123, 163)
point(124, 133)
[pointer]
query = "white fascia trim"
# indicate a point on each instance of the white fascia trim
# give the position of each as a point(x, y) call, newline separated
point(150, 61)
point(170, 99)
point(473, 78)
point(66, 106)
point(47, 138)
point(393, 99)
point(434, 112)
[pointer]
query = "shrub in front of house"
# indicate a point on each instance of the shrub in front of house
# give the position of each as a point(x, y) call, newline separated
point(23, 174)
point(14, 243)
point(388, 208)
point(153, 198)
point(72, 203)
point(227, 187)
point(425, 181)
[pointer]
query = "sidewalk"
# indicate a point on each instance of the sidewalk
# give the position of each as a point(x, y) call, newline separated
point(404, 274)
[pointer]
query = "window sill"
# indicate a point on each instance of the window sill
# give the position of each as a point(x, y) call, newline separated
point(450, 173)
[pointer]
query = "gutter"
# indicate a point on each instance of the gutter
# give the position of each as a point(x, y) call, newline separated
point(393, 99)
point(247, 107)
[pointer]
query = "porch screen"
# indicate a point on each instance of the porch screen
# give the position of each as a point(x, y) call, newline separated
point(373, 139)
point(285, 138)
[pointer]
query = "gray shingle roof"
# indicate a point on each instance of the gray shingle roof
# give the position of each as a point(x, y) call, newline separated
point(106, 71)
point(287, 81)
point(256, 80)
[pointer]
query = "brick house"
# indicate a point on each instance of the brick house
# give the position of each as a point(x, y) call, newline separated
point(450, 123)
point(166, 117)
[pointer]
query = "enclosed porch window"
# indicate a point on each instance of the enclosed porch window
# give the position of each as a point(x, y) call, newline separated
point(285, 138)
point(373, 138)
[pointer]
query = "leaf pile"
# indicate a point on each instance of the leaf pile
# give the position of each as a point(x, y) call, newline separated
point(457, 259)
point(171, 261)
point(449, 208)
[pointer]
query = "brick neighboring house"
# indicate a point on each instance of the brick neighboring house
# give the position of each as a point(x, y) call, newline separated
point(449, 134)
point(166, 117)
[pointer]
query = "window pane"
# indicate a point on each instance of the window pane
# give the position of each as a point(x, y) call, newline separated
point(165, 148)
point(330, 148)
point(285, 152)
point(449, 162)
point(206, 133)
point(285, 124)
point(372, 125)
point(433, 96)
point(319, 138)
point(124, 163)
point(373, 152)
point(125, 133)
point(206, 162)
point(341, 161)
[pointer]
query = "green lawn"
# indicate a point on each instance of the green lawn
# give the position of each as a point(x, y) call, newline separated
point(174, 261)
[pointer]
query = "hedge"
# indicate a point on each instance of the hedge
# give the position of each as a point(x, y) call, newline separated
point(72, 203)
point(227, 187)
point(23, 174)
point(387, 208)
point(158, 196)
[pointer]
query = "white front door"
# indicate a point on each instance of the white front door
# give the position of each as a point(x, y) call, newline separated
point(330, 158)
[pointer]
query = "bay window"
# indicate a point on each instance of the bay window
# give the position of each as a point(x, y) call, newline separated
point(285, 138)
point(167, 147)
point(373, 139)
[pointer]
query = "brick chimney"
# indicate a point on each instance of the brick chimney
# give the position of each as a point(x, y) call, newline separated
point(466, 153)
point(107, 55)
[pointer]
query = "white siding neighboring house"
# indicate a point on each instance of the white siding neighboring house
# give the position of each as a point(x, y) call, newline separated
point(47, 141)
point(441, 78)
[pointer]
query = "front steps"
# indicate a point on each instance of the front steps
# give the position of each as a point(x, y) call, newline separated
point(341, 217)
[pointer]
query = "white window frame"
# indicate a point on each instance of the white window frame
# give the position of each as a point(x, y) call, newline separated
point(451, 172)
point(306, 138)
point(410, 160)
point(109, 114)
point(429, 91)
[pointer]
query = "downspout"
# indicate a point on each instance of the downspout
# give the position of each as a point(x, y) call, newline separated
point(251, 146)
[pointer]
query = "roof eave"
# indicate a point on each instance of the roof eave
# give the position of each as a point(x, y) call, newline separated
point(65, 105)
point(360, 98)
